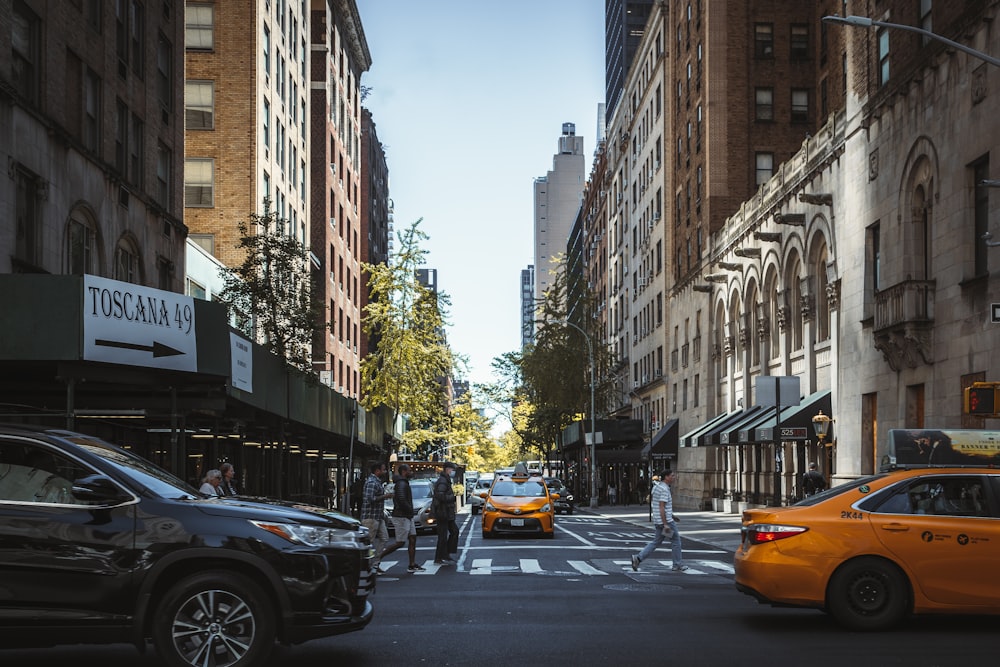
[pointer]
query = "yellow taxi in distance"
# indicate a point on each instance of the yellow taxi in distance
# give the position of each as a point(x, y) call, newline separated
point(922, 536)
point(519, 503)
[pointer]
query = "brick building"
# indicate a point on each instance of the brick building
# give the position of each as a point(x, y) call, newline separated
point(92, 134)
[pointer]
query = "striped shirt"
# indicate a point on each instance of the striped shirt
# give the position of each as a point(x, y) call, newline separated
point(661, 494)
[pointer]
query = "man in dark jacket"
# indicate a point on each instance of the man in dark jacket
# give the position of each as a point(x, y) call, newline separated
point(402, 517)
point(813, 481)
point(444, 514)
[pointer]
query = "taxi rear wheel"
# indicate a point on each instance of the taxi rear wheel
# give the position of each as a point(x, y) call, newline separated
point(868, 594)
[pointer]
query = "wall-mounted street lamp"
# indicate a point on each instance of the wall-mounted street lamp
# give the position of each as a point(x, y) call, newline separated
point(865, 22)
point(593, 419)
point(821, 424)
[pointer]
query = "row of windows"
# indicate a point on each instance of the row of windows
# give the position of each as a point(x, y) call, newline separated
point(798, 41)
point(764, 104)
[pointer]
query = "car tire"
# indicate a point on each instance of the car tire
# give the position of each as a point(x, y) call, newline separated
point(868, 594)
point(487, 534)
point(199, 601)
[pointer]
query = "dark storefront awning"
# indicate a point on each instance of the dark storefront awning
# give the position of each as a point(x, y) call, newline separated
point(664, 443)
point(796, 421)
point(728, 433)
point(712, 436)
point(690, 439)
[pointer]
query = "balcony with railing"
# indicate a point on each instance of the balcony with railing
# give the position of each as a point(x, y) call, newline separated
point(904, 323)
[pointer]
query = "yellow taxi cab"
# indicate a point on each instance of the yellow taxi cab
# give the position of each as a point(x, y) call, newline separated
point(518, 503)
point(921, 536)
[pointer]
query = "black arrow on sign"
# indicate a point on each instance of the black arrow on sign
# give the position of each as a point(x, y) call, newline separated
point(158, 349)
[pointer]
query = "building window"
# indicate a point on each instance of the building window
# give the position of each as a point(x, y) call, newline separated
point(873, 268)
point(266, 130)
point(121, 137)
point(267, 54)
point(799, 42)
point(765, 103)
point(800, 106)
point(136, 151)
point(137, 37)
point(925, 19)
point(164, 160)
point(883, 57)
point(164, 72)
point(199, 181)
point(195, 289)
point(199, 26)
point(25, 38)
point(981, 212)
point(26, 212)
point(199, 105)
point(763, 40)
point(80, 243)
point(764, 167)
point(126, 266)
point(121, 36)
point(92, 110)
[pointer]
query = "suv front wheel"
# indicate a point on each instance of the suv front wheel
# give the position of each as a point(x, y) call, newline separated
point(214, 618)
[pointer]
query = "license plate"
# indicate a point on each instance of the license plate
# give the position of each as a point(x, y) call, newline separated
point(517, 522)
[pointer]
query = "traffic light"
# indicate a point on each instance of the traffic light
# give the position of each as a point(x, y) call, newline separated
point(982, 400)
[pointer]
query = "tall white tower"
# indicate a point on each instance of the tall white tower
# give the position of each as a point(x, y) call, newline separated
point(557, 202)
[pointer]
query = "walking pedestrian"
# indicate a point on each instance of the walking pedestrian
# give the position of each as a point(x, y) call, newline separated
point(402, 517)
point(444, 513)
point(663, 520)
point(228, 486)
point(373, 498)
point(813, 480)
point(210, 484)
point(612, 494)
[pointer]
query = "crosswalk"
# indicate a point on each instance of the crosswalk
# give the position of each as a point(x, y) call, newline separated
point(601, 567)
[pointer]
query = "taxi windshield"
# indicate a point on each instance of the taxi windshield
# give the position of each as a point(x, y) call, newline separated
point(526, 489)
point(837, 490)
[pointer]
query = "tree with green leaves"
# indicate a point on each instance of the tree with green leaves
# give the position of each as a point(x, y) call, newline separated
point(411, 359)
point(270, 293)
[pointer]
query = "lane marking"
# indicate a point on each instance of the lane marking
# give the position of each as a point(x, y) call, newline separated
point(583, 567)
point(481, 566)
point(530, 565)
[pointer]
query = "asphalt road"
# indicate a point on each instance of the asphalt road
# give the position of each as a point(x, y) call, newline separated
point(575, 600)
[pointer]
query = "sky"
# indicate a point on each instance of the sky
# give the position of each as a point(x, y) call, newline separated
point(468, 99)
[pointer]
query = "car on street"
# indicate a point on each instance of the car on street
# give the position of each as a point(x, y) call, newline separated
point(423, 497)
point(922, 536)
point(564, 503)
point(476, 499)
point(518, 504)
point(98, 546)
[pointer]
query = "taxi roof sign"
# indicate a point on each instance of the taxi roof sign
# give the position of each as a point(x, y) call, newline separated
point(941, 447)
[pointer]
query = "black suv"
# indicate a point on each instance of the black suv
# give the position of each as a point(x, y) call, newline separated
point(98, 545)
point(563, 504)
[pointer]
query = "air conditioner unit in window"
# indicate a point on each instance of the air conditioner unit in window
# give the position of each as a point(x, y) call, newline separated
point(635, 385)
point(656, 216)
point(333, 223)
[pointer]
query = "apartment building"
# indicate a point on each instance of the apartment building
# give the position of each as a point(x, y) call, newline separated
point(92, 133)
point(376, 212)
point(339, 57)
point(247, 128)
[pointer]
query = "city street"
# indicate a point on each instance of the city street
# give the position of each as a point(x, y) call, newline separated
point(575, 600)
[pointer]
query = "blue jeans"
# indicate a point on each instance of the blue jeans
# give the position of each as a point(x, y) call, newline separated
point(661, 534)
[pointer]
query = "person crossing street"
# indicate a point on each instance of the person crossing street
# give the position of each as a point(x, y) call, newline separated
point(663, 520)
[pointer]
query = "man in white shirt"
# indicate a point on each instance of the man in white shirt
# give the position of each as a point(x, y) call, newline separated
point(663, 519)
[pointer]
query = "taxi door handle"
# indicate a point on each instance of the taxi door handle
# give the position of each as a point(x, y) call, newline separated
point(895, 527)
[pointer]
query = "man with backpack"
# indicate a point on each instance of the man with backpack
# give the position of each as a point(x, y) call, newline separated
point(813, 481)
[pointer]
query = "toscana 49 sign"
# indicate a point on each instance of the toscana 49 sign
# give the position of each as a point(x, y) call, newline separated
point(124, 323)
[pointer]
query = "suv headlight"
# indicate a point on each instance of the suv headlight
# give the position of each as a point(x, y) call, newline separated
point(314, 536)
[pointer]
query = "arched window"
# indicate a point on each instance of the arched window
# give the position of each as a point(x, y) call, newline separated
point(753, 323)
point(126, 267)
point(81, 243)
point(734, 331)
point(822, 302)
point(772, 315)
point(794, 290)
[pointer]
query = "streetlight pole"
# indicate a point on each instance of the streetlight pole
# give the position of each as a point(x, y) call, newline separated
point(865, 22)
point(593, 419)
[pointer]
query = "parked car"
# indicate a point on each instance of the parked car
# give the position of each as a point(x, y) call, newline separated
point(423, 496)
point(98, 545)
point(564, 503)
point(521, 504)
point(920, 538)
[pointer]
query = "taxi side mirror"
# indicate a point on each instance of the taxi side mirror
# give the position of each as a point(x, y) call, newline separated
point(554, 496)
point(483, 494)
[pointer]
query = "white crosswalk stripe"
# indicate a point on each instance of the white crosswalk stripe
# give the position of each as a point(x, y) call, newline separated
point(487, 566)
point(583, 567)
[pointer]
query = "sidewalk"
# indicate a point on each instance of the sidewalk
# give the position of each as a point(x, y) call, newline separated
point(719, 529)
